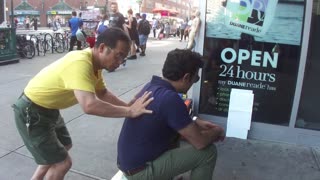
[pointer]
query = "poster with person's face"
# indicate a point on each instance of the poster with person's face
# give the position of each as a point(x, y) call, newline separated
point(255, 45)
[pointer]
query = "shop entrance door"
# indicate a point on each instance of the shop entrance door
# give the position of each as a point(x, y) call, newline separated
point(309, 112)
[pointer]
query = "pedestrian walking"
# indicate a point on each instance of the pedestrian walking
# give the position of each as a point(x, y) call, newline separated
point(161, 31)
point(16, 22)
point(144, 31)
point(138, 17)
point(116, 18)
point(27, 22)
point(75, 23)
point(35, 23)
point(193, 31)
point(155, 23)
point(167, 29)
point(183, 27)
point(56, 24)
point(133, 32)
point(49, 23)
point(103, 25)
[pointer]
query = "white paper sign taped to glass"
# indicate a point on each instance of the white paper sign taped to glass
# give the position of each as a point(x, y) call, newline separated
point(253, 17)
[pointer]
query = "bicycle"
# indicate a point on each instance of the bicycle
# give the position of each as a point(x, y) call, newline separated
point(39, 42)
point(25, 48)
point(66, 40)
point(55, 42)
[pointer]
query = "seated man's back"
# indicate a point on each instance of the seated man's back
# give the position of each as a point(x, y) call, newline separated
point(149, 136)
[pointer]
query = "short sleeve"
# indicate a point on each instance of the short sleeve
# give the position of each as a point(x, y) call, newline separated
point(175, 112)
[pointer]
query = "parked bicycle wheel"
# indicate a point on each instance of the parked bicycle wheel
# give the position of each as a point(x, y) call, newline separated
point(59, 43)
point(66, 41)
point(42, 45)
point(28, 50)
point(48, 45)
point(38, 43)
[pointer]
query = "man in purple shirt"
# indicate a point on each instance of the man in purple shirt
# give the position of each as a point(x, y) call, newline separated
point(148, 145)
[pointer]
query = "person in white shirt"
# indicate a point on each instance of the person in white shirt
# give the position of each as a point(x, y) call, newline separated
point(194, 29)
point(56, 24)
point(27, 22)
point(103, 22)
point(154, 26)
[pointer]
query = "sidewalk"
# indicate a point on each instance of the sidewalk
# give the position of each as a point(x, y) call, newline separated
point(95, 138)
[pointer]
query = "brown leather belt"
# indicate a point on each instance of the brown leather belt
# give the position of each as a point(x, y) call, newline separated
point(134, 171)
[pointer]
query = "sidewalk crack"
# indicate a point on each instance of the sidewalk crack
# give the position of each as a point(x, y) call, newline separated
point(316, 156)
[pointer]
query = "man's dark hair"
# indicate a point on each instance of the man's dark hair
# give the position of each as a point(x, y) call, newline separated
point(114, 3)
point(74, 13)
point(111, 36)
point(105, 17)
point(180, 62)
point(138, 14)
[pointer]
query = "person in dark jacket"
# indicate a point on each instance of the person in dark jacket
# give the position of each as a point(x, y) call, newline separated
point(34, 22)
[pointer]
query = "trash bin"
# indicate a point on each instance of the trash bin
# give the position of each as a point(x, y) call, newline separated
point(8, 50)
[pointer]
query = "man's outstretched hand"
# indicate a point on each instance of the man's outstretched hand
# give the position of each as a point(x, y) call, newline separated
point(139, 106)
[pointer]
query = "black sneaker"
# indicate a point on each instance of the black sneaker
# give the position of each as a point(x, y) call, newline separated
point(142, 54)
point(132, 57)
point(138, 50)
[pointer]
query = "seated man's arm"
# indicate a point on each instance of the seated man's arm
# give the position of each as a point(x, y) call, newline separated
point(93, 105)
point(201, 136)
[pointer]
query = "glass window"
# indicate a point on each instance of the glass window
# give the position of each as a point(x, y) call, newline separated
point(309, 113)
point(256, 47)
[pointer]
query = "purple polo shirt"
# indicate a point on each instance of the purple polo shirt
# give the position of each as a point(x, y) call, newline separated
point(145, 138)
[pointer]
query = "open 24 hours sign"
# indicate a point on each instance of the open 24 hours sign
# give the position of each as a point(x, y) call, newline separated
point(255, 45)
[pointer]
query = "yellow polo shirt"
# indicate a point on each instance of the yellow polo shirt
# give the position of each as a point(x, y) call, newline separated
point(53, 87)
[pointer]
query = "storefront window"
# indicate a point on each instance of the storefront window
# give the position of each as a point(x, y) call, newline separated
point(252, 45)
point(309, 112)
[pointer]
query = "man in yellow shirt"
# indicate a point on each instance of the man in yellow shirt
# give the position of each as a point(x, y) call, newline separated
point(75, 78)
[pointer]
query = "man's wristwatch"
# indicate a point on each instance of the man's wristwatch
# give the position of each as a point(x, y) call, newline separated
point(194, 118)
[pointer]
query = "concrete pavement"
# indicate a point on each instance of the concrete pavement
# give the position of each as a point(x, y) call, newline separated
point(95, 138)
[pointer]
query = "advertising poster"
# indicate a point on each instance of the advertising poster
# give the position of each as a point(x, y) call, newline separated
point(254, 45)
